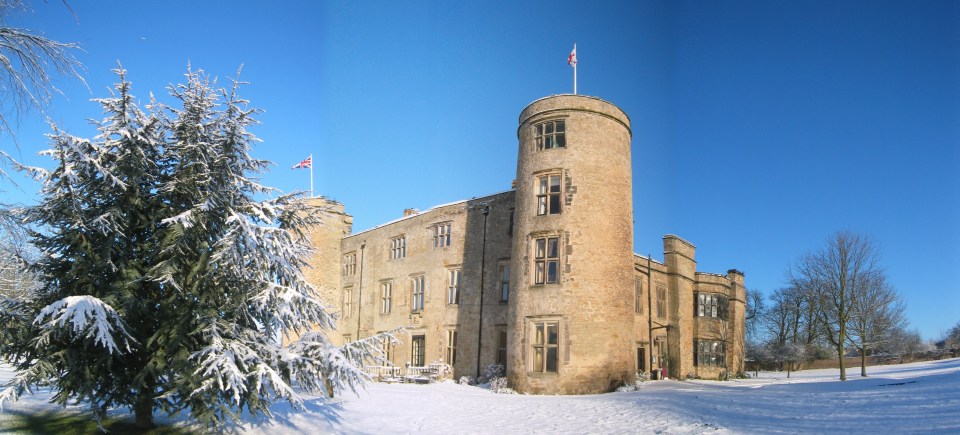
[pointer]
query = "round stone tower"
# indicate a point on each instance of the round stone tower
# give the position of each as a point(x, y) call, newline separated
point(572, 257)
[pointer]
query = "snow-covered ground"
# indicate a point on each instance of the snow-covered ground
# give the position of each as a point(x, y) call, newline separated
point(909, 398)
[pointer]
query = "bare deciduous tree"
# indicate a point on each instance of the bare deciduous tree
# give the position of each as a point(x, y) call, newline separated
point(29, 62)
point(782, 316)
point(833, 276)
point(951, 339)
point(16, 253)
point(903, 343)
point(878, 311)
point(755, 308)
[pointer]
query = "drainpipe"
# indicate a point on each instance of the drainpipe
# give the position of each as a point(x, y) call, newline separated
point(363, 244)
point(649, 315)
point(483, 258)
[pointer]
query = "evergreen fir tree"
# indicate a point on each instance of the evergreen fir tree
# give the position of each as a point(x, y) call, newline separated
point(165, 282)
point(97, 222)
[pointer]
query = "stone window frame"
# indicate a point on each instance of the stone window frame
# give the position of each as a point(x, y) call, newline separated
point(542, 259)
point(504, 288)
point(661, 300)
point(549, 201)
point(386, 297)
point(450, 347)
point(539, 340)
point(387, 350)
point(347, 310)
point(638, 296)
point(550, 134)
point(418, 299)
point(350, 263)
point(712, 305)
point(398, 247)
point(454, 284)
point(418, 350)
point(709, 353)
point(441, 234)
point(502, 347)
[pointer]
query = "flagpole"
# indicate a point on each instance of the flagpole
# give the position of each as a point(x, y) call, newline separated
point(311, 175)
point(574, 59)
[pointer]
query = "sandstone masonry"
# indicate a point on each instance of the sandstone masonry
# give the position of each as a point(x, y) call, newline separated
point(542, 278)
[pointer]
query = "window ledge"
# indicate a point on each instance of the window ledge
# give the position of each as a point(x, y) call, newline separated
point(542, 374)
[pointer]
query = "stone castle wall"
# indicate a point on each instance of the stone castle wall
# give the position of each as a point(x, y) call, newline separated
point(591, 300)
point(612, 317)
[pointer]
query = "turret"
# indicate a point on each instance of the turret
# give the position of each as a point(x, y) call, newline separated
point(572, 248)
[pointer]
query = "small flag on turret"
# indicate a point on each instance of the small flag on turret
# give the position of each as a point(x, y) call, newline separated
point(306, 163)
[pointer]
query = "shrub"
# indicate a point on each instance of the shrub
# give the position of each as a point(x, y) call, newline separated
point(499, 385)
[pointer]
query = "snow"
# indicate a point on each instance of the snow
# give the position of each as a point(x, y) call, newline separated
point(911, 398)
point(87, 316)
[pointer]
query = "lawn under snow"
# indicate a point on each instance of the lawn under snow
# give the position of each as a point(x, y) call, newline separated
point(918, 397)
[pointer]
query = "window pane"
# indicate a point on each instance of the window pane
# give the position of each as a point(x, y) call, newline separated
point(561, 141)
point(554, 204)
point(538, 338)
point(543, 184)
point(540, 130)
point(555, 183)
point(552, 247)
point(552, 271)
point(548, 142)
point(539, 273)
point(552, 333)
point(542, 205)
point(549, 129)
point(541, 248)
point(538, 359)
point(559, 126)
point(552, 359)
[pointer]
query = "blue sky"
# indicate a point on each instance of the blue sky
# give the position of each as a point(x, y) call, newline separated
point(759, 128)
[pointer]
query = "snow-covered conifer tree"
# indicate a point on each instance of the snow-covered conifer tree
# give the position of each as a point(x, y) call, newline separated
point(96, 226)
point(165, 280)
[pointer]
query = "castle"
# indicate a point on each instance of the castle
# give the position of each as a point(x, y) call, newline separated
point(542, 278)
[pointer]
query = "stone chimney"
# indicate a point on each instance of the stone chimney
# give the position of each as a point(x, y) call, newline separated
point(410, 212)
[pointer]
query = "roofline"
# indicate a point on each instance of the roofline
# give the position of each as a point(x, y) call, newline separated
point(436, 207)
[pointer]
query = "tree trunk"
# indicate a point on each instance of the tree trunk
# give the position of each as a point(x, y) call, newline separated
point(843, 367)
point(143, 410)
point(863, 361)
point(841, 336)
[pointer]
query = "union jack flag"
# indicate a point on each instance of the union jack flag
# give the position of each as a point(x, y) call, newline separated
point(306, 163)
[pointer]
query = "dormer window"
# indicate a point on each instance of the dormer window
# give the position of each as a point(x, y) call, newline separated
point(550, 134)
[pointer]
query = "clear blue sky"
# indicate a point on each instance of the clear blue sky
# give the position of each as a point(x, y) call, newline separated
point(760, 128)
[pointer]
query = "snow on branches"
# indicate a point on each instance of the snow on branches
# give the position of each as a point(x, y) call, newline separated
point(86, 317)
point(156, 248)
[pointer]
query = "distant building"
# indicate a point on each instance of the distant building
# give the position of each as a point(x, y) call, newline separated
point(567, 306)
